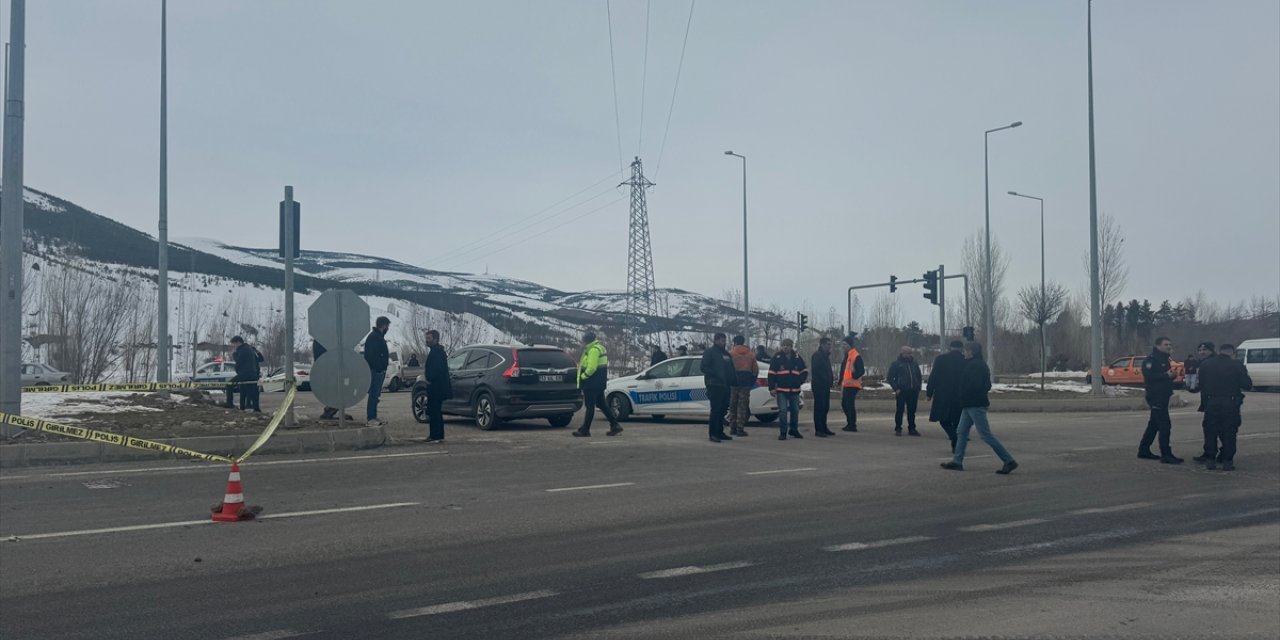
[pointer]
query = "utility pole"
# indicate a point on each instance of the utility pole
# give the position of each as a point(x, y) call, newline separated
point(290, 238)
point(642, 300)
point(162, 294)
point(942, 308)
point(1095, 293)
point(11, 224)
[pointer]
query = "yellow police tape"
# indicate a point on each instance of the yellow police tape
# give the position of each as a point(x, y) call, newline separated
point(140, 386)
point(92, 435)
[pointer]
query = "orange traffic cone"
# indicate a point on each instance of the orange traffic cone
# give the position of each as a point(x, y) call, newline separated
point(232, 508)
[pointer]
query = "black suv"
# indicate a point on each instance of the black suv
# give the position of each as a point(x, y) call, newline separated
point(493, 383)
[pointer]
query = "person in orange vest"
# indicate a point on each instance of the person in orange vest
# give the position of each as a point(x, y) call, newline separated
point(851, 371)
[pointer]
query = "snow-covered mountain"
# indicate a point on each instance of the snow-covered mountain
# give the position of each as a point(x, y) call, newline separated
point(210, 277)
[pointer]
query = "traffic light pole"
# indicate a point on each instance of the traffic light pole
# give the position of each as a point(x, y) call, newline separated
point(942, 309)
point(849, 303)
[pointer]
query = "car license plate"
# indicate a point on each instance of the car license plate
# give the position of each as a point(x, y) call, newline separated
point(550, 378)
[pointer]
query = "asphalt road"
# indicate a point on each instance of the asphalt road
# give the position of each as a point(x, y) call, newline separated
point(529, 533)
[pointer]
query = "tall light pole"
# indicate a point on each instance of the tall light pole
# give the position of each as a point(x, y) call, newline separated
point(988, 305)
point(1043, 290)
point(1095, 292)
point(746, 299)
point(11, 203)
point(162, 294)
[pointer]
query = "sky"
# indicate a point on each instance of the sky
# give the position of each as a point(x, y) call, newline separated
point(482, 135)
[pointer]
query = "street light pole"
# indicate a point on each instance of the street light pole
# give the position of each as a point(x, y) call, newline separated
point(988, 305)
point(746, 299)
point(1095, 293)
point(1043, 290)
point(162, 293)
point(11, 223)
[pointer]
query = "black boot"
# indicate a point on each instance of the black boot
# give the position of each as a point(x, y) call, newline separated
point(614, 429)
point(582, 433)
point(1146, 454)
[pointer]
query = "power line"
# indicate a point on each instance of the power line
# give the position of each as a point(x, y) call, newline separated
point(543, 232)
point(644, 77)
point(453, 253)
point(613, 71)
point(679, 68)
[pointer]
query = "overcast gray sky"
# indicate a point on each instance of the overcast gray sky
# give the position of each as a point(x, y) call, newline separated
point(411, 128)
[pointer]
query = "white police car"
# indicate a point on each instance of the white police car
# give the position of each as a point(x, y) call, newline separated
point(674, 388)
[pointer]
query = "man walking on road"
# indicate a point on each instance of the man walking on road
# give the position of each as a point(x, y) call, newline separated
point(944, 390)
point(1157, 377)
point(786, 374)
point(745, 372)
point(1223, 381)
point(439, 385)
point(378, 357)
point(593, 377)
point(975, 382)
point(822, 383)
point(851, 371)
point(717, 375)
point(905, 379)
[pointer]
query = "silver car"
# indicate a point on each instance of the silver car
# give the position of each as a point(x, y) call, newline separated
point(35, 374)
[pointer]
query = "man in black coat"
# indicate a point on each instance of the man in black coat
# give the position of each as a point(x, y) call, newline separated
point(717, 375)
point(822, 381)
point(378, 357)
point(657, 356)
point(1223, 381)
point(248, 370)
point(905, 379)
point(943, 390)
point(439, 385)
point(1157, 377)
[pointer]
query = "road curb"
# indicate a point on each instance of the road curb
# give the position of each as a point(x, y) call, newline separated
point(53, 453)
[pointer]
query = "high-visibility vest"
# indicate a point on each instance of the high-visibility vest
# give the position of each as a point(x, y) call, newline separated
point(847, 380)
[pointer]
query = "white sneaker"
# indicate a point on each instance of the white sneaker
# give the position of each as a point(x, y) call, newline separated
point(375, 423)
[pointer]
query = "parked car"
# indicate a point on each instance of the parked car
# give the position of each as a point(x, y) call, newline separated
point(494, 383)
point(1128, 371)
point(1262, 359)
point(216, 371)
point(36, 374)
point(274, 381)
point(674, 387)
point(400, 374)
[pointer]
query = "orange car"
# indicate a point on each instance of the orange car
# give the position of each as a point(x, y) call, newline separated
point(1128, 371)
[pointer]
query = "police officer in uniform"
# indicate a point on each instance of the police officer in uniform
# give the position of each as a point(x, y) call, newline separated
point(1223, 381)
point(1157, 377)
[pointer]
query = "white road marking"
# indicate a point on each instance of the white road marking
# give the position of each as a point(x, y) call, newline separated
point(694, 570)
point(464, 605)
point(267, 463)
point(762, 473)
point(278, 634)
point(859, 546)
point(191, 523)
point(1004, 525)
point(1111, 509)
point(1036, 546)
point(1091, 448)
point(592, 486)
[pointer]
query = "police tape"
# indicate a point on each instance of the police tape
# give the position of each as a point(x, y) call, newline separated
point(116, 439)
point(136, 387)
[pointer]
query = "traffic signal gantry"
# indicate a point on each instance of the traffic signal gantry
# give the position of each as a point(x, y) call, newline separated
point(935, 292)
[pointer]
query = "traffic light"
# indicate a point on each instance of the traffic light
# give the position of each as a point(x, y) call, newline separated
point(893, 284)
point(804, 321)
point(931, 286)
point(968, 333)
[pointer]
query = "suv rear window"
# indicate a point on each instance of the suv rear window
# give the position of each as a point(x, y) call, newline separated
point(545, 359)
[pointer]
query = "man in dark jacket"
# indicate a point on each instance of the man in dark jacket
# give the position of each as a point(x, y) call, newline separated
point(975, 382)
point(378, 357)
point(762, 353)
point(822, 382)
point(905, 380)
point(1157, 377)
point(717, 375)
point(944, 390)
point(657, 356)
point(1223, 381)
point(248, 370)
point(439, 385)
point(787, 373)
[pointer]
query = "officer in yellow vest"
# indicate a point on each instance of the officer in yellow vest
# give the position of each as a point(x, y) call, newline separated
point(593, 376)
point(851, 371)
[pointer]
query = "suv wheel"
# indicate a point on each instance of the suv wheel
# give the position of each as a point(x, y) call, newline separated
point(561, 421)
point(420, 405)
point(620, 406)
point(486, 412)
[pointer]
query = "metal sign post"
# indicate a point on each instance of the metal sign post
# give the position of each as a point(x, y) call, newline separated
point(289, 220)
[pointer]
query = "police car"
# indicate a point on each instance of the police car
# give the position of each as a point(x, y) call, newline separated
point(675, 388)
point(216, 371)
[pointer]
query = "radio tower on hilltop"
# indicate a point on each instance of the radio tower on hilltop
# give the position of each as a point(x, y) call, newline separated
point(641, 297)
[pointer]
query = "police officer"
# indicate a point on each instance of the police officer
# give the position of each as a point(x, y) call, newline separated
point(593, 376)
point(1223, 381)
point(1157, 377)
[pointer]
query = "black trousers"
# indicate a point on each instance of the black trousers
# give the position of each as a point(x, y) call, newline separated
point(950, 429)
point(1221, 424)
point(848, 402)
point(249, 397)
point(821, 406)
point(593, 397)
point(1157, 425)
point(719, 397)
point(906, 400)
point(435, 417)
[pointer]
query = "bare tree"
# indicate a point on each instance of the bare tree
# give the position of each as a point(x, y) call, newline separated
point(1113, 271)
point(886, 313)
point(1040, 307)
point(138, 340)
point(87, 314)
point(973, 256)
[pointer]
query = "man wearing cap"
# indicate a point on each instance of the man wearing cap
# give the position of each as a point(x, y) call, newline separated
point(851, 371)
point(1223, 381)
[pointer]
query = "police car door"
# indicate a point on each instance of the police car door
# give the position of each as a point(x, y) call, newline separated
point(657, 390)
point(692, 389)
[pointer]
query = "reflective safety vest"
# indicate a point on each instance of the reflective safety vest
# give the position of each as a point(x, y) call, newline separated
point(847, 380)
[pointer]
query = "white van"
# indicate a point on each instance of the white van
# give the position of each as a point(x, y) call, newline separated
point(1262, 359)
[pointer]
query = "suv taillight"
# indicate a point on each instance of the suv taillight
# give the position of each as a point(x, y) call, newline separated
point(514, 370)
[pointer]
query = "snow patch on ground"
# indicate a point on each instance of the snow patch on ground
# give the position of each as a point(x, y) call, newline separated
point(57, 406)
point(1074, 387)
